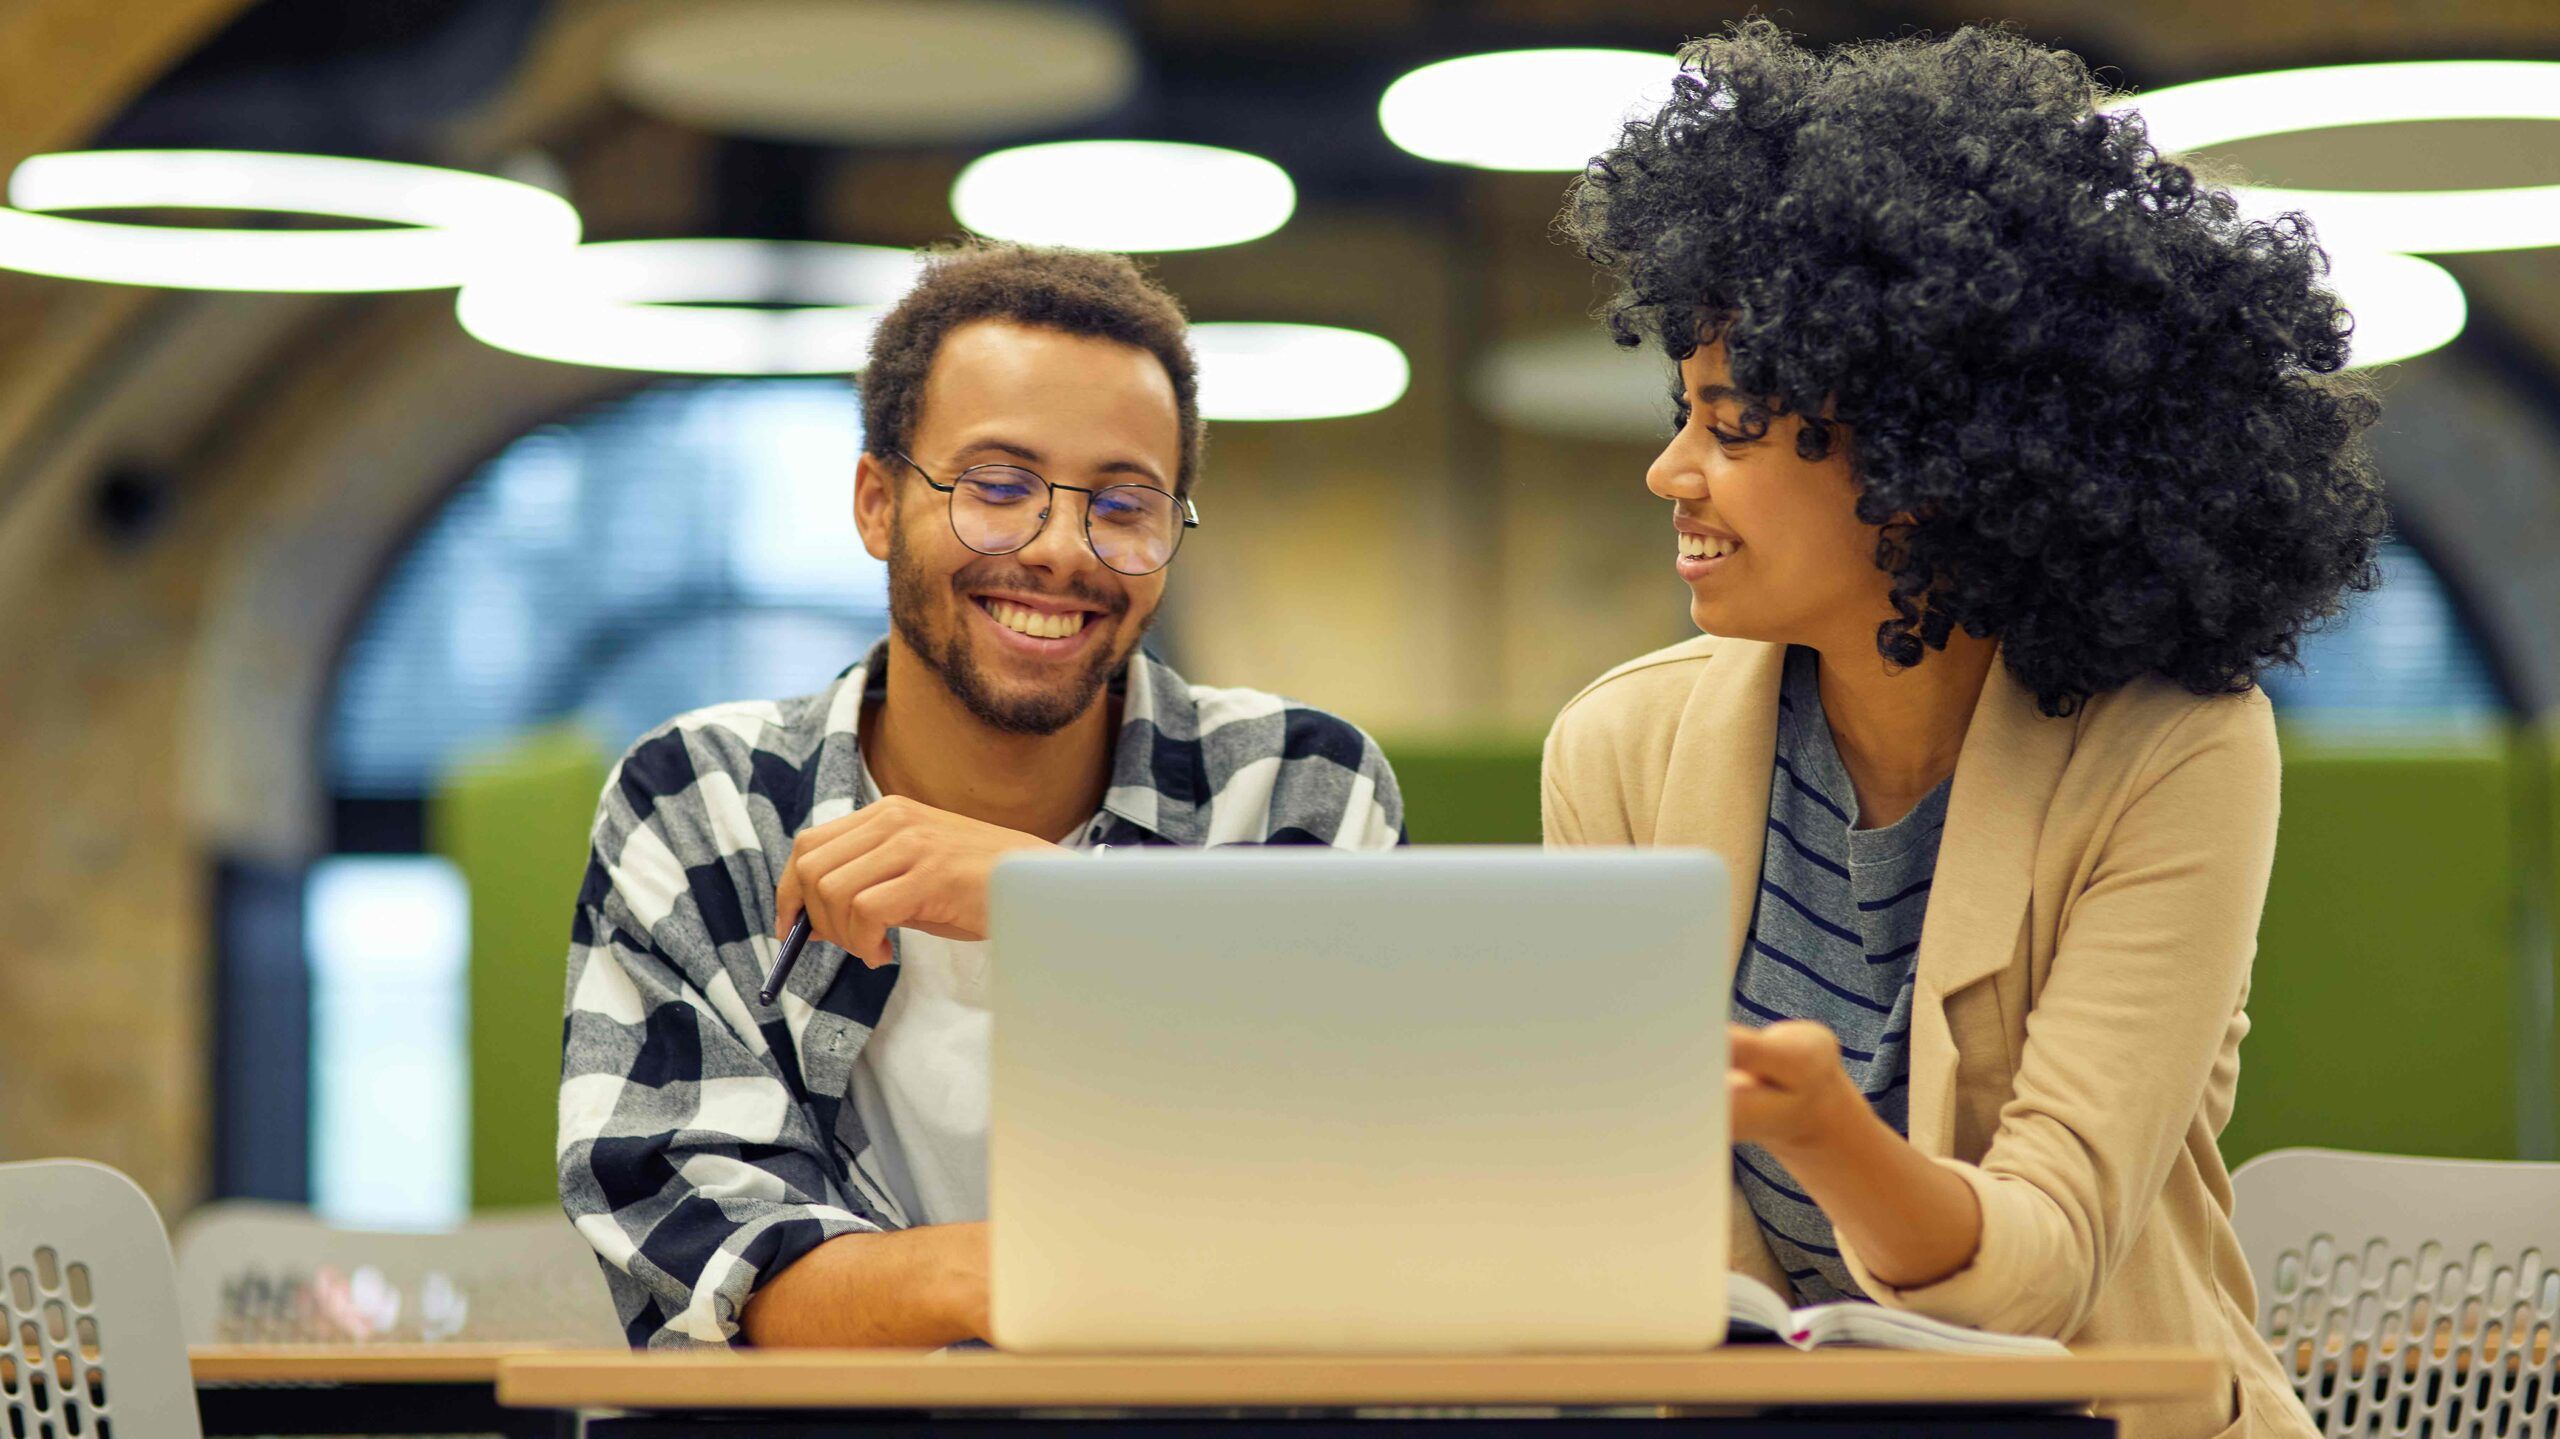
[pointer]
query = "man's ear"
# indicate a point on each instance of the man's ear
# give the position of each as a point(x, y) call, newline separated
point(875, 503)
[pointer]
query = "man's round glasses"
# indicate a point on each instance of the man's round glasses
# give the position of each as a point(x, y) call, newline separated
point(998, 509)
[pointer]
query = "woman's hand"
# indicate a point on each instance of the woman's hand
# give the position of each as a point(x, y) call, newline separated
point(1789, 1092)
point(895, 864)
point(1912, 1220)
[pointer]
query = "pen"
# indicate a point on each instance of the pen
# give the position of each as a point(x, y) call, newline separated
point(792, 944)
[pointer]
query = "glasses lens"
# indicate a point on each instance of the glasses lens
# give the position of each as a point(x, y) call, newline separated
point(996, 509)
point(1135, 528)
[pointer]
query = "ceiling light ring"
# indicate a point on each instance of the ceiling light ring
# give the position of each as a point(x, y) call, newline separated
point(670, 306)
point(2203, 113)
point(679, 306)
point(457, 224)
point(2185, 119)
point(2404, 305)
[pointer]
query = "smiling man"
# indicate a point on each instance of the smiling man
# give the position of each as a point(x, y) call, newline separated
point(815, 1172)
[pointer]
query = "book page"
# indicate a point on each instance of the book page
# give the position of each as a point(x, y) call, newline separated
point(1877, 1327)
point(1755, 1313)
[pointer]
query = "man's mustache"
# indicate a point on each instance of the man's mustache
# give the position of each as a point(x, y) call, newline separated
point(1022, 581)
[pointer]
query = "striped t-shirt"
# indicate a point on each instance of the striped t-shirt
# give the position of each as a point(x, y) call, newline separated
point(1834, 934)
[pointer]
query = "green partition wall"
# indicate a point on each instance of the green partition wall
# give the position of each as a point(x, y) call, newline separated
point(1469, 792)
point(2540, 933)
point(2381, 1006)
point(515, 823)
point(2401, 988)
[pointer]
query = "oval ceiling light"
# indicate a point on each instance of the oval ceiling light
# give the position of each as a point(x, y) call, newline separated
point(1524, 109)
point(2403, 306)
point(1124, 195)
point(1295, 372)
point(884, 72)
point(2187, 118)
point(456, 225)
point(697, 307)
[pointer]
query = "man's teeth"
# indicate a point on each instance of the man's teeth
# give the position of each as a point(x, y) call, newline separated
point(1705, 547)
point(1039, 624)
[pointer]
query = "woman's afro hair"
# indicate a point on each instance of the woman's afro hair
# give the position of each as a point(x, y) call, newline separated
point(2096, 411)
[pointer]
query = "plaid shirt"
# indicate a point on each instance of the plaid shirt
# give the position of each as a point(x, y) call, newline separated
point(706, 1141)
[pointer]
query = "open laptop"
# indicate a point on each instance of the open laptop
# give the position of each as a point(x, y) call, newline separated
point(1300, 1100)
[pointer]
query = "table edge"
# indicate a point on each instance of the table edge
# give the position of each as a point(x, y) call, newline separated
point(456, 1363)
point(856, 1379)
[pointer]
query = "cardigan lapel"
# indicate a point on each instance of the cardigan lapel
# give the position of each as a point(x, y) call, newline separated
point(2006, 774)
point(1715, 796)
point(1715, 791)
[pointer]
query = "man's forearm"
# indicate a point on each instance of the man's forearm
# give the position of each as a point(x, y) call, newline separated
point(910, 1288)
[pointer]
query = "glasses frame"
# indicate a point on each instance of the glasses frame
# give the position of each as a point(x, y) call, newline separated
point(1189, 512)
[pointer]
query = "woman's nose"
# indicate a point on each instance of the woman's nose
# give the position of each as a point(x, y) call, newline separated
point(1673, 477)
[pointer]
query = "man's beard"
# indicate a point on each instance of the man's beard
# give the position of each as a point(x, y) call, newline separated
point(954, 660)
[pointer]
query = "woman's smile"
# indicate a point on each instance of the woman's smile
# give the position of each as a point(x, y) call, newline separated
point(1703, 551)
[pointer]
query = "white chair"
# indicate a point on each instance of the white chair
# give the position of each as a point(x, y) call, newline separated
point(253, 1272)
point(2406, 1296)
point(89, 1299)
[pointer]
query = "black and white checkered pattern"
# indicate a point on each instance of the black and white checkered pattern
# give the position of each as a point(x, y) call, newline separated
point(707, 1141)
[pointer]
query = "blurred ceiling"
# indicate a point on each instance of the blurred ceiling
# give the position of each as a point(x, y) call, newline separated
point(847, 119)
point(844, 119)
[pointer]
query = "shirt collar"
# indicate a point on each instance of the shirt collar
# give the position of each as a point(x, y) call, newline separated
point(1157, 782)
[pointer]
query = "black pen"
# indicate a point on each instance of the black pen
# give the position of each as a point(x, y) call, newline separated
point(792, 944)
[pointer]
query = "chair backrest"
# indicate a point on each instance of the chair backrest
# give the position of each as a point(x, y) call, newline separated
point(2408, 1296)
point(252, 1272)
point(89, 1300)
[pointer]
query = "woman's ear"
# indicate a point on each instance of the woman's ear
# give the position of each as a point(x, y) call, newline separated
point(875, 503)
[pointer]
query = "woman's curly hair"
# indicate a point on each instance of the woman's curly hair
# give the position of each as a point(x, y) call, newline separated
point(2096, 410)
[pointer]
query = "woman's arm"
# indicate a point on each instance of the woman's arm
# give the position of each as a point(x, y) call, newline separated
point(2152, 959)
point(1911, 1220)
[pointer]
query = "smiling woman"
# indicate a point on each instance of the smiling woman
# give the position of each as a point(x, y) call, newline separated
point(2008, 457)
point(2096, 386)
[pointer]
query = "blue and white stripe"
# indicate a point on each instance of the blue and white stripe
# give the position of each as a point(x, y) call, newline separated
point(1834, 937)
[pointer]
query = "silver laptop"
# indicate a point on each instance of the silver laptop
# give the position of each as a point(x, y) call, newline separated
point(1298, 1100)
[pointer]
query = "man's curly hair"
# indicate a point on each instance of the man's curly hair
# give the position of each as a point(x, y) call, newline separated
point(1094, 294)
point(2096, 410)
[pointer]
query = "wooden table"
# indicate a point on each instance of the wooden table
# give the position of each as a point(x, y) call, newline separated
point(977, 1395)
point(358, 1389)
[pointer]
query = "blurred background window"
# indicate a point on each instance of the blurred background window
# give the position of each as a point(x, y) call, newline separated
point(689, 544)
point(389, 945)
point(2402, 662)
point(685, 545)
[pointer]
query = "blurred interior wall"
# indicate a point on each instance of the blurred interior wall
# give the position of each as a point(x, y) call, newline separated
point(102, 914)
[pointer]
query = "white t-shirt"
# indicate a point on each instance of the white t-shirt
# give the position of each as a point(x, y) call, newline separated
point(920, 1083)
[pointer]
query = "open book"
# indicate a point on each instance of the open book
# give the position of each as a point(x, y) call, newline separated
point(1760, 1316)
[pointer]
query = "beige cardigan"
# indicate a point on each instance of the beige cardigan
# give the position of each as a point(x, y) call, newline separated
point(2076, 1023)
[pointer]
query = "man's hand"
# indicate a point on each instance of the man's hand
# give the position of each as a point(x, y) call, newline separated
point(895, 864)
point(1789, 1092)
